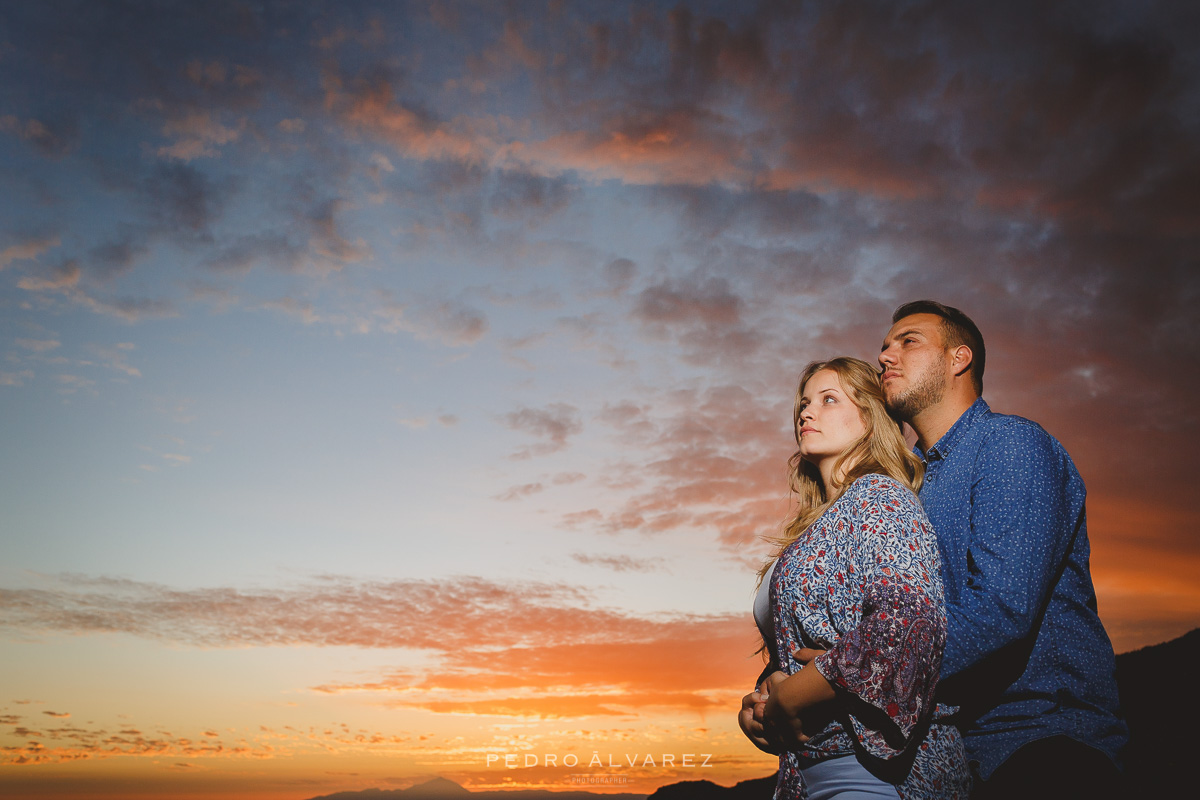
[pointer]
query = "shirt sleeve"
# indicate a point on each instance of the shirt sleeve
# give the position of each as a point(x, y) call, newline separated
point(1026, 507)
point(887, 666)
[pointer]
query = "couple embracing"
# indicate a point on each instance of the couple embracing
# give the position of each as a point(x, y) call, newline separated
point(929, 614)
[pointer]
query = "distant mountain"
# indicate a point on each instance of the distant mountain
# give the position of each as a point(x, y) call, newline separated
point(1160, 699)
point(442, 789)
point(756, 789)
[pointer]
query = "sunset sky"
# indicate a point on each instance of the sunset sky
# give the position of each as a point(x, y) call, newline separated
point(388, 386)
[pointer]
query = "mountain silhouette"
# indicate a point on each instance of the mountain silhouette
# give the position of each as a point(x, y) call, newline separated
point(1161, 705)
point(442, 789)
point(756, 789)
point(1159, 700)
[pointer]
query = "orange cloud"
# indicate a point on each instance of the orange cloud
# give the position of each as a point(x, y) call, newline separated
point(709, 661)
point(442, 616)
point(372, 107)
point(27, 250)
point(717, 461)
point(680, 146)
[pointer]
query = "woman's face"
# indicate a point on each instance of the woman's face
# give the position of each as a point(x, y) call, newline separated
point(829, 421)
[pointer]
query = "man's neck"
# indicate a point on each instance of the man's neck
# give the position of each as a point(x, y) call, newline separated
point(932, 423)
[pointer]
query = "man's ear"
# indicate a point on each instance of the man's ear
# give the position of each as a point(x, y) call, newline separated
point(961, 359)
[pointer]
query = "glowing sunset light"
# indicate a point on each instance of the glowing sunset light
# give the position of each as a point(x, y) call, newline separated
point(402, 390)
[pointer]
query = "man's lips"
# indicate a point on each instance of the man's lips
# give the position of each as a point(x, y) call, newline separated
point(891, 373)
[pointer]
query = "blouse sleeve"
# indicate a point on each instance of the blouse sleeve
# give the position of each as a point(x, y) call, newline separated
point(887, 666)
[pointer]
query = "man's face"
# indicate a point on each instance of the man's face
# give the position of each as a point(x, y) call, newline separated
point(915, 364)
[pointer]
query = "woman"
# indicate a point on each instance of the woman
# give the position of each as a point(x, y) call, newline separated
point(854, 586)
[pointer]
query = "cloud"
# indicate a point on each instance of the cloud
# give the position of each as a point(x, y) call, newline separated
point(618, 275)
point(70, 384)
point(526, 640)
point(708, 302)
point(115, 257)
point(450, 322)
point(65, 280)
point(38, 345)
point(87, 741)
point(667, 146)
point(115, 358)
point(129, 309)
point(713, 459)
point(15, 378)
point(327, 240)
point(617, 677)
point(65, 276)
point(518, 195)
point(304, 310)
point(184, 201)
point(553, 424)
point(519, 492)
point(620, 563)
point(243, 253)
point(424, 614)
point(197, 134)
point(370, 105)
point(703, 314)
point(27, 250)
point(53, 140)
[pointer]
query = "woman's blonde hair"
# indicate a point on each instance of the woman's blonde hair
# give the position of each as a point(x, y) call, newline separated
point(880, 450)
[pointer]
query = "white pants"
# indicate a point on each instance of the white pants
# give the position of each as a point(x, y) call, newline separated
point(845, 779)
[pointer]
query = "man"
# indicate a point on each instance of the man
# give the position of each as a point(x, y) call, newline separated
point(1026, 656)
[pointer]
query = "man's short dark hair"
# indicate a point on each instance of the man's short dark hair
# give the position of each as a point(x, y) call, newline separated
point(957, 328)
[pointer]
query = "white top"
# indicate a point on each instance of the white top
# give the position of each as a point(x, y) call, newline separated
point(762, 607)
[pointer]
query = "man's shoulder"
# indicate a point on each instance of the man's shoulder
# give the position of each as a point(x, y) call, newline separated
point(994, 431)
point(1011, 444)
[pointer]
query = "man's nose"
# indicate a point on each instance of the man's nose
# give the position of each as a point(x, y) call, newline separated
point(886, 358)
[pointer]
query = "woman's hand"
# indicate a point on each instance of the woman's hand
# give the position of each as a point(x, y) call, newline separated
point(750, 719)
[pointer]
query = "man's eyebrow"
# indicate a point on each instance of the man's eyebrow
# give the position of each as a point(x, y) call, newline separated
point(899, 334)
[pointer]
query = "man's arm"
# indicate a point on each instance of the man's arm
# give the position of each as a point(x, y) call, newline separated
point(1026, 505)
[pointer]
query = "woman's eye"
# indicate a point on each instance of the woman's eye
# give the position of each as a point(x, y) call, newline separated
point(830, 398)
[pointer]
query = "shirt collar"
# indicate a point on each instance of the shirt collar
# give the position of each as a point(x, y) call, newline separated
point(952, 437)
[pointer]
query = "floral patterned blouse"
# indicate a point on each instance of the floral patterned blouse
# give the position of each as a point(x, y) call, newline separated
point(863, 582)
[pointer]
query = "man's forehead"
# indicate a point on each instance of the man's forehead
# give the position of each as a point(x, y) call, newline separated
point(923, 323)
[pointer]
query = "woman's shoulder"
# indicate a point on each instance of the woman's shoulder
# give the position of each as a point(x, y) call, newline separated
point(884, 502)
point(876, 487)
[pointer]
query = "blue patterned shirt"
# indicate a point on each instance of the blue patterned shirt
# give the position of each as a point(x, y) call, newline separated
point(1026, 655)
